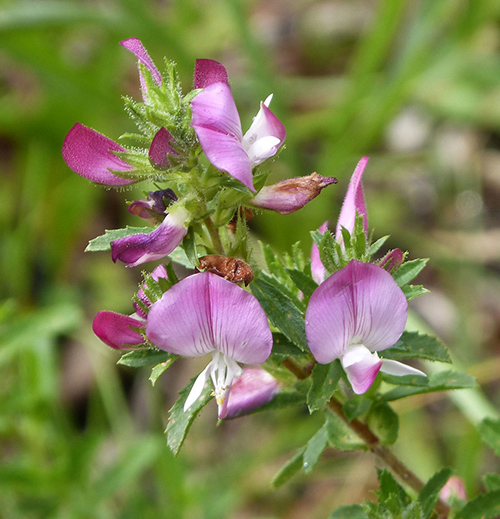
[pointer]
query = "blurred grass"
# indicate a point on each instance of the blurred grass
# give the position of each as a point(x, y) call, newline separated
point(414, 85)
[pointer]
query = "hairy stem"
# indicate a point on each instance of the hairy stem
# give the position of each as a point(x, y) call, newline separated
point(215, 236)
point(372, 442)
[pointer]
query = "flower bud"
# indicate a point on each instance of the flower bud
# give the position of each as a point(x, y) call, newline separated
point(290, 195)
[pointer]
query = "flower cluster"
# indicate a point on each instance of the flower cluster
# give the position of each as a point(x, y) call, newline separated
point(212, 177)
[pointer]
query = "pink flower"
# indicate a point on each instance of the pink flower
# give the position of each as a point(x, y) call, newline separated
point(118, 330)
point(358, 311)
point(205, 313)
point(218, 127)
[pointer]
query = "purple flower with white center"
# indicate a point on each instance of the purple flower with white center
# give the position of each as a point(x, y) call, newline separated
point(90, 154)
point(118, 330)
point(205, 313)
point(358, 311)
point(140, 248)
point(255, 388)
point(354, 202)
point(217, 124)
point(290, 195)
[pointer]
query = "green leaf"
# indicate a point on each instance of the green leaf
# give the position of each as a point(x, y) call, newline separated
point(159, 369)
point(189, 246)
point(483, 506)
point(391, 493)
point(413, 291)
point(440, 381)
point(179, 256)
point(102, 243)
point(314, 448)
point(430, 493)
point(325, 378)
point(331, 253)
point(304, 283)
point(341, 436)
point(289, 469)
point(414, 345)
point(384, 422)
point(375, 247)
point(148, 357)
point(408, 271)
point(489, 429)
point(283, 348)
point(356, 406)
point(281, 311)
point(180, 421)
point(492, 481)
point(349, 512)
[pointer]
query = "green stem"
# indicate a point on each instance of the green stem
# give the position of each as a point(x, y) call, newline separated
point(372, 442)
point(215, 236)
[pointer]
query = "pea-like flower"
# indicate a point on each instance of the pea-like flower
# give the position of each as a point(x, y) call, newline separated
point(205, 313)
point(120, 331)
point(217, 124)
point(140, 248)
point(355, 313)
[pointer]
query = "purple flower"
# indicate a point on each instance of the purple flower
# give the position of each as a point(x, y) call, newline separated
point(354, 201)
point(218, 127)
point(118, 330)
point(205, 313)
point(290, 195)
point(90, 154)
point(358, 311)
point(161, 148)
point(140, 248)
point(392, 260)
point(252, 390)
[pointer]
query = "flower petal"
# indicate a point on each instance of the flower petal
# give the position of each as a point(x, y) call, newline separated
point(359, 304)
point(197, 388)
point(226, 153)
point(203, 313)
point(361, 367)
point(290, 195)
point(214, 108)
point(392, 260)
point(161, 148)
point(353, 201)
point(253, 389)
point(318, 271)
point(139, 248)
point(393, 367)
point(265, 124)
point(116, 331)
point(208, 71)
point(90, 154)
point(135, 46)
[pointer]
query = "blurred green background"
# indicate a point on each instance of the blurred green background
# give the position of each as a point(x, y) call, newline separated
point(415, 85)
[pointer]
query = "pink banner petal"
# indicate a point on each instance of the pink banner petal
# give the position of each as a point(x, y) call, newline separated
point(90, 154)
point(208, 71)
point(359, 304)
point(135, 46)
point(205, 312)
